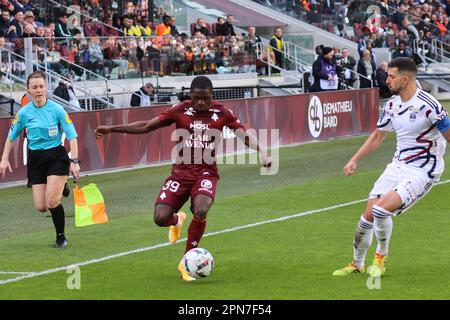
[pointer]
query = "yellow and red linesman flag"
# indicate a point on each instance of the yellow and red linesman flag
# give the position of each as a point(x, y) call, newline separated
point(89, 206)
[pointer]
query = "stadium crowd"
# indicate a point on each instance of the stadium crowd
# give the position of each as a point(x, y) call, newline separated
point(124, 43)
point(129, 44)
point(396, 24)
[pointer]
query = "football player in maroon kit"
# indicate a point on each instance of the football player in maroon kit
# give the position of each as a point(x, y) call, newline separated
point(199, 123)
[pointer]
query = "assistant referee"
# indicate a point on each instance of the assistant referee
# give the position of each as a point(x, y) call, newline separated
point(48, 163)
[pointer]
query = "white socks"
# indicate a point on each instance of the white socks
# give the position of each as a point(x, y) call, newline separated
point(362, 242)
point(383, 228)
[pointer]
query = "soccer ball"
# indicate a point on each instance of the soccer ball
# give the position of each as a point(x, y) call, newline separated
point(198, 262)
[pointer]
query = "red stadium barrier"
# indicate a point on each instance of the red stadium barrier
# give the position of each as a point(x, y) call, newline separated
point(299, 118)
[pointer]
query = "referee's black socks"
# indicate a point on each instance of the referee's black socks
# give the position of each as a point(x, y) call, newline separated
point(59, 221)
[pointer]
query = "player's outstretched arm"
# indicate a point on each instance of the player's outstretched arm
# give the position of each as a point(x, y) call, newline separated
point(137, 127)
point(370, 145)
point(252, 142)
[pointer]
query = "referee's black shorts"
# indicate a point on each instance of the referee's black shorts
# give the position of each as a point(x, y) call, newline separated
point(44, 163)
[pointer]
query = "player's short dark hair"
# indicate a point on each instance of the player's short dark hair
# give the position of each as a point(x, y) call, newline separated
point(36, 75)
point(403, 64)
point(201, 82)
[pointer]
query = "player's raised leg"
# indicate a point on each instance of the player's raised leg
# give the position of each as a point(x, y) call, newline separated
point(361, 243)
point(165, 216)
point(200, 207)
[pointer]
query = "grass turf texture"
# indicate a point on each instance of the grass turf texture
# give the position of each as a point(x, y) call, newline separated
point(292, 259)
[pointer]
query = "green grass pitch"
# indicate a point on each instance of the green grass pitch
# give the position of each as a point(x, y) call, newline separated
point(289, 259)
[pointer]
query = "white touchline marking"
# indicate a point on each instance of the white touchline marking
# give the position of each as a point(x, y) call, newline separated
point(166, 244)
point(13, 272)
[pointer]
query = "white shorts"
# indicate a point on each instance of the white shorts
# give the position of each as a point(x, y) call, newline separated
point(410, 185)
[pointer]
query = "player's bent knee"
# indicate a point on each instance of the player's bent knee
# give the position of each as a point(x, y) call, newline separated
point(53, 202)
point(162, 215)
point(161, 220)
point(41, 208)
point(201, 211)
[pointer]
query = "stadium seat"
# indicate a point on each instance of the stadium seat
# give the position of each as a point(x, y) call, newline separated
point(98, 28)
point(330, 27)
point(89, 29)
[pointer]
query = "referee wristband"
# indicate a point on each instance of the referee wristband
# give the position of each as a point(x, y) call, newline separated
point(75, 160)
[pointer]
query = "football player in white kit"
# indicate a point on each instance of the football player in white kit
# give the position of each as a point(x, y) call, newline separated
point(422, 127)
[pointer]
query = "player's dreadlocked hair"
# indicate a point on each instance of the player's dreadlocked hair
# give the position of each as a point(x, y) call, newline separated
point(201, 82)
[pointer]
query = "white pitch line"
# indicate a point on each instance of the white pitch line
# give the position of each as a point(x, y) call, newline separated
point(13, 272)
point(166, 244)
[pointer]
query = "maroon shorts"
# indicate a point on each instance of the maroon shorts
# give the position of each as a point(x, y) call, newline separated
point(179, 187)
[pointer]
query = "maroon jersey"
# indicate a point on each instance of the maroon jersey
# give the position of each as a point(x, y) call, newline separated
point(202, 133)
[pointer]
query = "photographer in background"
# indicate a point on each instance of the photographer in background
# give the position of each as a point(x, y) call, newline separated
point(325, 72)
point(345, 68)
point(144, 97)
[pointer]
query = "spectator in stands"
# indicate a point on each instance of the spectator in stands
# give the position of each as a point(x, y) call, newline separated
point(51, 25)
point(342, 32)
point(107, 29)
point(146, 30)
point(6, 5)
point(130, 8)
point(220, 26)
point(97, 59)
point(379, 41)
point(313, 15)
point(201, 27)
point(277, 45)
point(402, 51)
point(29, 18)
point(40, 34)
point(143, 97)
point(112, 52)
point(373, 57)
point(369, 26)
point(173, 27)
point(398, 16)
point(366, 67)
point(346, 67)
point(388, 29)
point(328, 7)
point(252, 41)
point(381, 76)
point(228, 29)
point(342, 17)
point(424, 23)
point(62, 30)
point(325, 72)
point(5, 21)
point(129, 29)
point(28, 31)
point(164, 29)
point(17, 23)
point(66, 92)
point(362, 43)
point(117, 22)
point(412, 31)
point(24, 5)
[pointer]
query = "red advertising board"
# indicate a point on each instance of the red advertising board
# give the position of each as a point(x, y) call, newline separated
point(299, 119)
